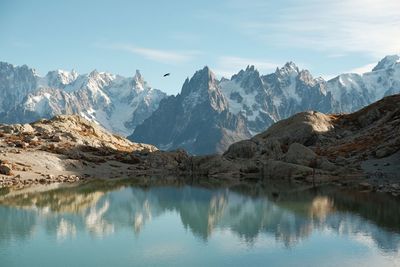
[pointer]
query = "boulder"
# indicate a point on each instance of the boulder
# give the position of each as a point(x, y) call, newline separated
point(5, 169)
point(303, 128)
point(27, 128)
point(244, 149)
point(365, 186)
point(385, 151)
point(272, 149)
point(299, 154)
point(326, 165)
point(282, 170)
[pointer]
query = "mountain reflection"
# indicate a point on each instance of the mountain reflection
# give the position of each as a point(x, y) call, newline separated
point(290, 218)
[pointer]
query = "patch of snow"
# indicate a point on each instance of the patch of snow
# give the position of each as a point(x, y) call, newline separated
point(249, 100)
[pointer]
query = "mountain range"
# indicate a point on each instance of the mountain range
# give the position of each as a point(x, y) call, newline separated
point(119, 104)
point(207, 115)
point(210, 114)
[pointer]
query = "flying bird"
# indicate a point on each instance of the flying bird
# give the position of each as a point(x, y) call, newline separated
point(167, 74)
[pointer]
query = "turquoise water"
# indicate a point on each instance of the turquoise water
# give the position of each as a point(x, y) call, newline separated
point(194, 226)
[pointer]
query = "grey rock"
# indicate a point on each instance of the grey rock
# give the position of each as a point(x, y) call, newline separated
point(5, 169)
point(385, 151)
point(326, 165)
point(299, 154)
point(242, 149)
point(280, 170)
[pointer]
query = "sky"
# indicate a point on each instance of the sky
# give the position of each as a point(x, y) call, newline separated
point(327, 37)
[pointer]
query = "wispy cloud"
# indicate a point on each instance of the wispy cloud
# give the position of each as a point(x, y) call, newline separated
point(162, 56)
point(367, 26)
point(363, 69)
point(228, 65)
point(359, 70)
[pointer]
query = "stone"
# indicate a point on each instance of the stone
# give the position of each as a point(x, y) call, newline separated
point(27, 128)
point(385, 151)
point(243, 149)
point(21, 144)
point(301, 128)
point(31, 138)
point(365, 186)
point(5, 169)
point(300, 154)
point(282, 170)
point(326, 165)
point(272, 149)
point(395, 186)
point(57, 138)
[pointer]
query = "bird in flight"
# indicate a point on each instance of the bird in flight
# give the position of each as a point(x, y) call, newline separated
point(167, 74)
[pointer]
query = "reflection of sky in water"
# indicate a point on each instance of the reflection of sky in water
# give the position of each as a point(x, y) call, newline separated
point(188, 226)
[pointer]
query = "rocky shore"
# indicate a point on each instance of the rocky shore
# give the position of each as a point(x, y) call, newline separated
point(359, 150)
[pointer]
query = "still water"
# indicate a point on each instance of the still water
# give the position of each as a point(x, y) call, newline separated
point(123, 225)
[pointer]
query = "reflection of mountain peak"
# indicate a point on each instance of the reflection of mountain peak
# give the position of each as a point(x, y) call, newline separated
point(292, 218)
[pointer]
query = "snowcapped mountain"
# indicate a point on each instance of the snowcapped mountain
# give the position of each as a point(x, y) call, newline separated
point(117, 103)
point(206, 117)
point(263, 100)
point(209, 114)
point(15, 84)
point(197, 119)
point(353, 91)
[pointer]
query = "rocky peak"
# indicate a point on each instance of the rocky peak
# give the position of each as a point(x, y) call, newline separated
point(15, 83)
point(202, 81)
point(99, 79)
point(6, 69)
point(203, 88)
point(289, 68)
point(387, 62)
point(250, 71)
point(60, 78)
point(249, 79)
point(306, 77)
point(139, 82)
point(94, 73)
point(291, 65)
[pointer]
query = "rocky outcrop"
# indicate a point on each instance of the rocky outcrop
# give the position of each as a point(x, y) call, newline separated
point(309, 147)
point(312, 146)
point(281, 170)
point(69, 148)
point(299, 154)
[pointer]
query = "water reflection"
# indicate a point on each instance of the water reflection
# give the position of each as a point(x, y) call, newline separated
point(290, 219)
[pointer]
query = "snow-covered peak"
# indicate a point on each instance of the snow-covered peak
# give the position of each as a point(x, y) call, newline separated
point(250, 68)
point(248, 72)
point(387, 62)
point(248, 79)
point(203, 87)
point(139, 83)
point(288, 69)
point(94, 74)
point(307, 78)
point(205, 73)
point(58, 78)
point(202, 80)
point(6, 68)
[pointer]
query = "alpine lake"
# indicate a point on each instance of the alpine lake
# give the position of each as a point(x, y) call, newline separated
point(121, 223)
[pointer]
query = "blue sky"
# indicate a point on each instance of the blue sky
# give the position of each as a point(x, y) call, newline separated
point(327, 37)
